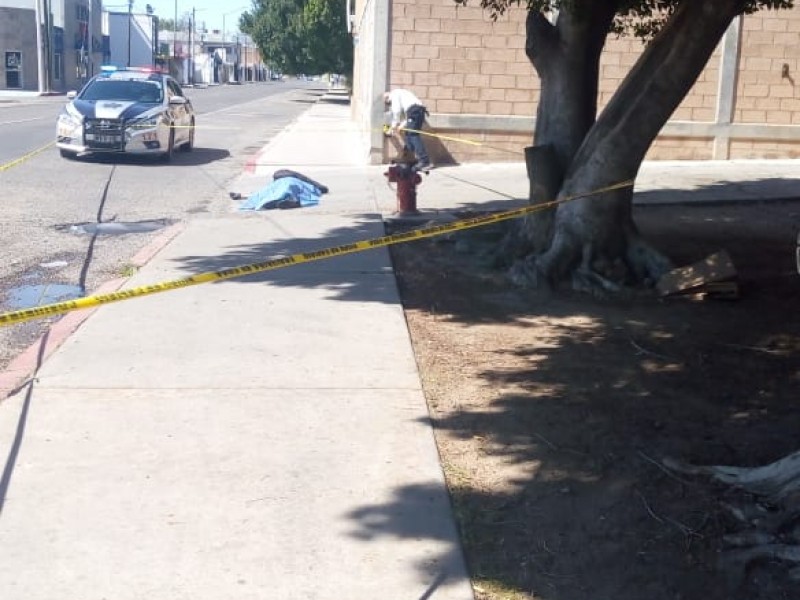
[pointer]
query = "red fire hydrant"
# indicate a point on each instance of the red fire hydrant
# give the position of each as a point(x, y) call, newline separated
point(407, 180)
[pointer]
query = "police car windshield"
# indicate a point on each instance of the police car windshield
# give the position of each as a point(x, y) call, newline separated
point(148, 92)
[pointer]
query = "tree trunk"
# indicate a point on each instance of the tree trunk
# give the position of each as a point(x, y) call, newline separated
point(594, 240)
point(566, 57)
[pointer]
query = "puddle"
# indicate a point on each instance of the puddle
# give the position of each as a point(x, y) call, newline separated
point(114, 228)
point(28, 296)
point(56, 264)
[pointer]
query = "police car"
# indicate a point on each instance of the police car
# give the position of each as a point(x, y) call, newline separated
point(131, 111)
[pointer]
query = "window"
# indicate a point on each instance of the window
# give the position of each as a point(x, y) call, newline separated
point(174, 89)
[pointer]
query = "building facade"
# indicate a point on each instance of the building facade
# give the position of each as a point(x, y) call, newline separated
point(49, 45)
point(477, 83)
point(133, 39)
point(18, 45)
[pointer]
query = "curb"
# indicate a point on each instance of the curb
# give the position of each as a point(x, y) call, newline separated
point(22, 370)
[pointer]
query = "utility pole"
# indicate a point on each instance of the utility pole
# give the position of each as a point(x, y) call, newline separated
point(48, 52)
point(39, 47)
point(130, 16)
point(90, 35)
point(175, 39)
point(191, 46)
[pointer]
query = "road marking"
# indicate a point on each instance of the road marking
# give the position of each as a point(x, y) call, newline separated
point(23, 121)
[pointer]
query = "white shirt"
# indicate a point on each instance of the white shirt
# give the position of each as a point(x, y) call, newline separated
point(401, 101)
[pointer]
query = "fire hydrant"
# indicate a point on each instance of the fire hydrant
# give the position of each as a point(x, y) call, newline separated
point(407, 180)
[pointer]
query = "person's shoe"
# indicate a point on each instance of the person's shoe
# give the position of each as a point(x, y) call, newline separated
point(425, 167)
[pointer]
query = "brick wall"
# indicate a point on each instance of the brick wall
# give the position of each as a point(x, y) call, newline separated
point(471, 71)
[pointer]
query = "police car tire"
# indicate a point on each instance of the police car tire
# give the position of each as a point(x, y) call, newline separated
point(67, 154)
point(189, 145)
point(167, 156)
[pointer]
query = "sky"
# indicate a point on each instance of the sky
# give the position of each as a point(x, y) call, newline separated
point(209, 11)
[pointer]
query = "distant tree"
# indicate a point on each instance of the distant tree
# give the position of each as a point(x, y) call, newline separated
point(169, 24)
point(300, 36)
point(330, 47)
point(593, 243)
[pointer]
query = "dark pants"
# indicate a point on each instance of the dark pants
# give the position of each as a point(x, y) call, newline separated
point(415, 117)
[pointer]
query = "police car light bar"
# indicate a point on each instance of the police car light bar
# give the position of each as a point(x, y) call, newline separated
point(113, 68)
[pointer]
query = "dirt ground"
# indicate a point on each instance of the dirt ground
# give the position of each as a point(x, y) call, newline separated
point(553, 412)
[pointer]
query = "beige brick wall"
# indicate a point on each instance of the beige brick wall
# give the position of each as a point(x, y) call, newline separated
point(675, 148)
point(461, 63)
point(749, 149)
point(458, 61)
point(770, 39)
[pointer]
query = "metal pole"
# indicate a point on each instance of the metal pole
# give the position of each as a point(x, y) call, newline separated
point(154, 39)
point(175, 37)
point(48, 54)
point(191, 46)
point(130, 10)
point(39, 47)
point(90, 64)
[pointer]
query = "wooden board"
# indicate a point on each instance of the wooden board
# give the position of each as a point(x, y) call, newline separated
point(715, 268)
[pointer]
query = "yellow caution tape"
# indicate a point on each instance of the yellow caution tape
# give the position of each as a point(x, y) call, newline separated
point(459, 140)
point(29, 314)
point(25, 157)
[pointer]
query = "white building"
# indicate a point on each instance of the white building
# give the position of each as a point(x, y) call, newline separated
point(133, 39)
point(75, 37)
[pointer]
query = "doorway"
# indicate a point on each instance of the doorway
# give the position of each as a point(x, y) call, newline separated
point(13, 64)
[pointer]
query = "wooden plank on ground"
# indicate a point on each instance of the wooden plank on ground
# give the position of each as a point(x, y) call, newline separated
point(715, 268)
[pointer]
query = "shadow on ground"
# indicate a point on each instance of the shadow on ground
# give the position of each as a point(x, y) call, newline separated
point(553, 413)
point(197, 157)
point(724, 192)
point(343, 276)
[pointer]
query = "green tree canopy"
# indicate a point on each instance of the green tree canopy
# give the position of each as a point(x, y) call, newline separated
point(301, 36)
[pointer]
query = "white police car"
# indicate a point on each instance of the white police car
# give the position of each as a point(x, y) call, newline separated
point(131, 111)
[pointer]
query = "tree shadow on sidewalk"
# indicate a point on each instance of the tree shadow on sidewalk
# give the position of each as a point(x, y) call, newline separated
point(553, 413)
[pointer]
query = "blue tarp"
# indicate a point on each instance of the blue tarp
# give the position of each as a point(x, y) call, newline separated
point(286, 192)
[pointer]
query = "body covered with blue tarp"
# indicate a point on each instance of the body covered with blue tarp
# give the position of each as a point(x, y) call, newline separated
point(285, 192)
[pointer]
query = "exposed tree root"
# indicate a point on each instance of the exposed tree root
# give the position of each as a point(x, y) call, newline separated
point(594, 271)
point(775, 482)
point(771, 518)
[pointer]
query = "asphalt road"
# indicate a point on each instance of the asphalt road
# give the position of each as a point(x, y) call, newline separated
point(50, 206)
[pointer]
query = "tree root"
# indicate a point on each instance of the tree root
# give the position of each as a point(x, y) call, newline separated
point(770, 518)
point(586, 267)
point(776, 481)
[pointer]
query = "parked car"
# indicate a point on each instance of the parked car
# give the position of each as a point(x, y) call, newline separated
point(131, 111)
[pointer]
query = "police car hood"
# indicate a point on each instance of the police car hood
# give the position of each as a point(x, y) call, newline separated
point(114, 109)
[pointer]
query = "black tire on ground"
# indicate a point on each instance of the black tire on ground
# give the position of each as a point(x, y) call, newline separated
point(189, 146)
point(67, 154)
point(167, 156)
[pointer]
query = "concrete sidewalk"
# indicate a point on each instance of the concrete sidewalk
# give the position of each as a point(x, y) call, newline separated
point(265, 437)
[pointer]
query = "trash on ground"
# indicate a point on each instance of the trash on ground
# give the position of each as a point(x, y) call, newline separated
point(714, 276)
point(118, 228)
